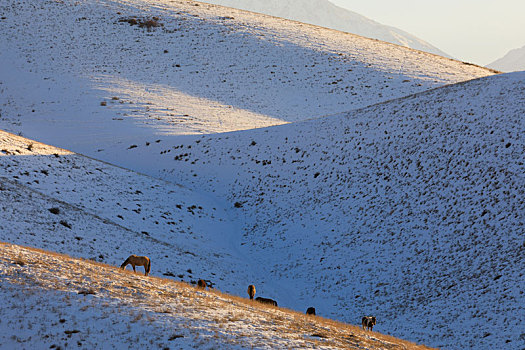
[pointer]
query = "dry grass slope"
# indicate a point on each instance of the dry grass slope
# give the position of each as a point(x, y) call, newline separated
point(222, 314)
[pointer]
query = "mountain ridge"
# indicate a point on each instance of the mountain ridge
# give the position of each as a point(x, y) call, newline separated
point(513, 61)
point(326, 14)
point(322, 71)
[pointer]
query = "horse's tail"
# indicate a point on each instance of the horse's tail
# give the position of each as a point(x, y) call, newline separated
point(148, 267)
point(124, 264)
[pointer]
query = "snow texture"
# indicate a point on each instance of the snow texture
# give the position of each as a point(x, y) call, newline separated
point(207, 69)
point(411, 209)
point(53, 301)
point(406, 203)
point(324, 13)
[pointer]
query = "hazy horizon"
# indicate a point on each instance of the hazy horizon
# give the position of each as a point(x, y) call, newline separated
point(474, 31)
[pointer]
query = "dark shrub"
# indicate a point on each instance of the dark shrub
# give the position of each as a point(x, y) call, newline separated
point(55, 211)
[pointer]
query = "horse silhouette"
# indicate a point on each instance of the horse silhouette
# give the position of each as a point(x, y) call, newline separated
point(251, 291)
point(266, 301)
point(310, 311)
point(368, 322)
point(201, 284)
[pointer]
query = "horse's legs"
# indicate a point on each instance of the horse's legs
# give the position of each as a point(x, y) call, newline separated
point(133, 265)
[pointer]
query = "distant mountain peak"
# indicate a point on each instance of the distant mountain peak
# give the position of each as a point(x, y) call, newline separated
point(513, 61)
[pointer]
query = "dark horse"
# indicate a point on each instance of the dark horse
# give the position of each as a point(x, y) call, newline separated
point(266, 301)
point(136, 260)
point(368, 322)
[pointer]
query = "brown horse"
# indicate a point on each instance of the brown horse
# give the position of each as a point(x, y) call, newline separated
point(136, 260)
point(251, 291)
point(201, 284)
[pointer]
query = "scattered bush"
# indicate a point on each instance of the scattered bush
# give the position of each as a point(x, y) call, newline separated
point(87, 291)
point(142, 23)
point(19, 261)
point(69, 333)
point(150, 24)
point(131, 21)
point(65, 224)
point(55, 211)
point(175, 336)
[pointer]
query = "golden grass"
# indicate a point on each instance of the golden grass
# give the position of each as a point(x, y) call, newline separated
point(14, 145)
point(226, 314)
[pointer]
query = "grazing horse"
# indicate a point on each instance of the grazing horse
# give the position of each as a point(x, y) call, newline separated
point(310, 311)
point(266, 301)
point(136, 260)
point(201, 284)
point(368, 322)
point(251, 291)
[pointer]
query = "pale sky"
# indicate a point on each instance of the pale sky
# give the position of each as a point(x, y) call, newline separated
point(477, 31)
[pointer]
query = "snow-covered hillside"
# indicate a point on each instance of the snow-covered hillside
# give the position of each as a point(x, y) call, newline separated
point(59, 201)
point(411, 209)
point(324, 13)
point(513, 61)
point(207, 69)
point(54, 199)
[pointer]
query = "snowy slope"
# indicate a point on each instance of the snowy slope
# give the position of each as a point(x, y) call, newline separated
point(202, 72)
point(513, 61)
point(412, 210)
point(373, 211)
point(55, 301)
point(325, 14)
point(54, 199)
point(106, 213)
